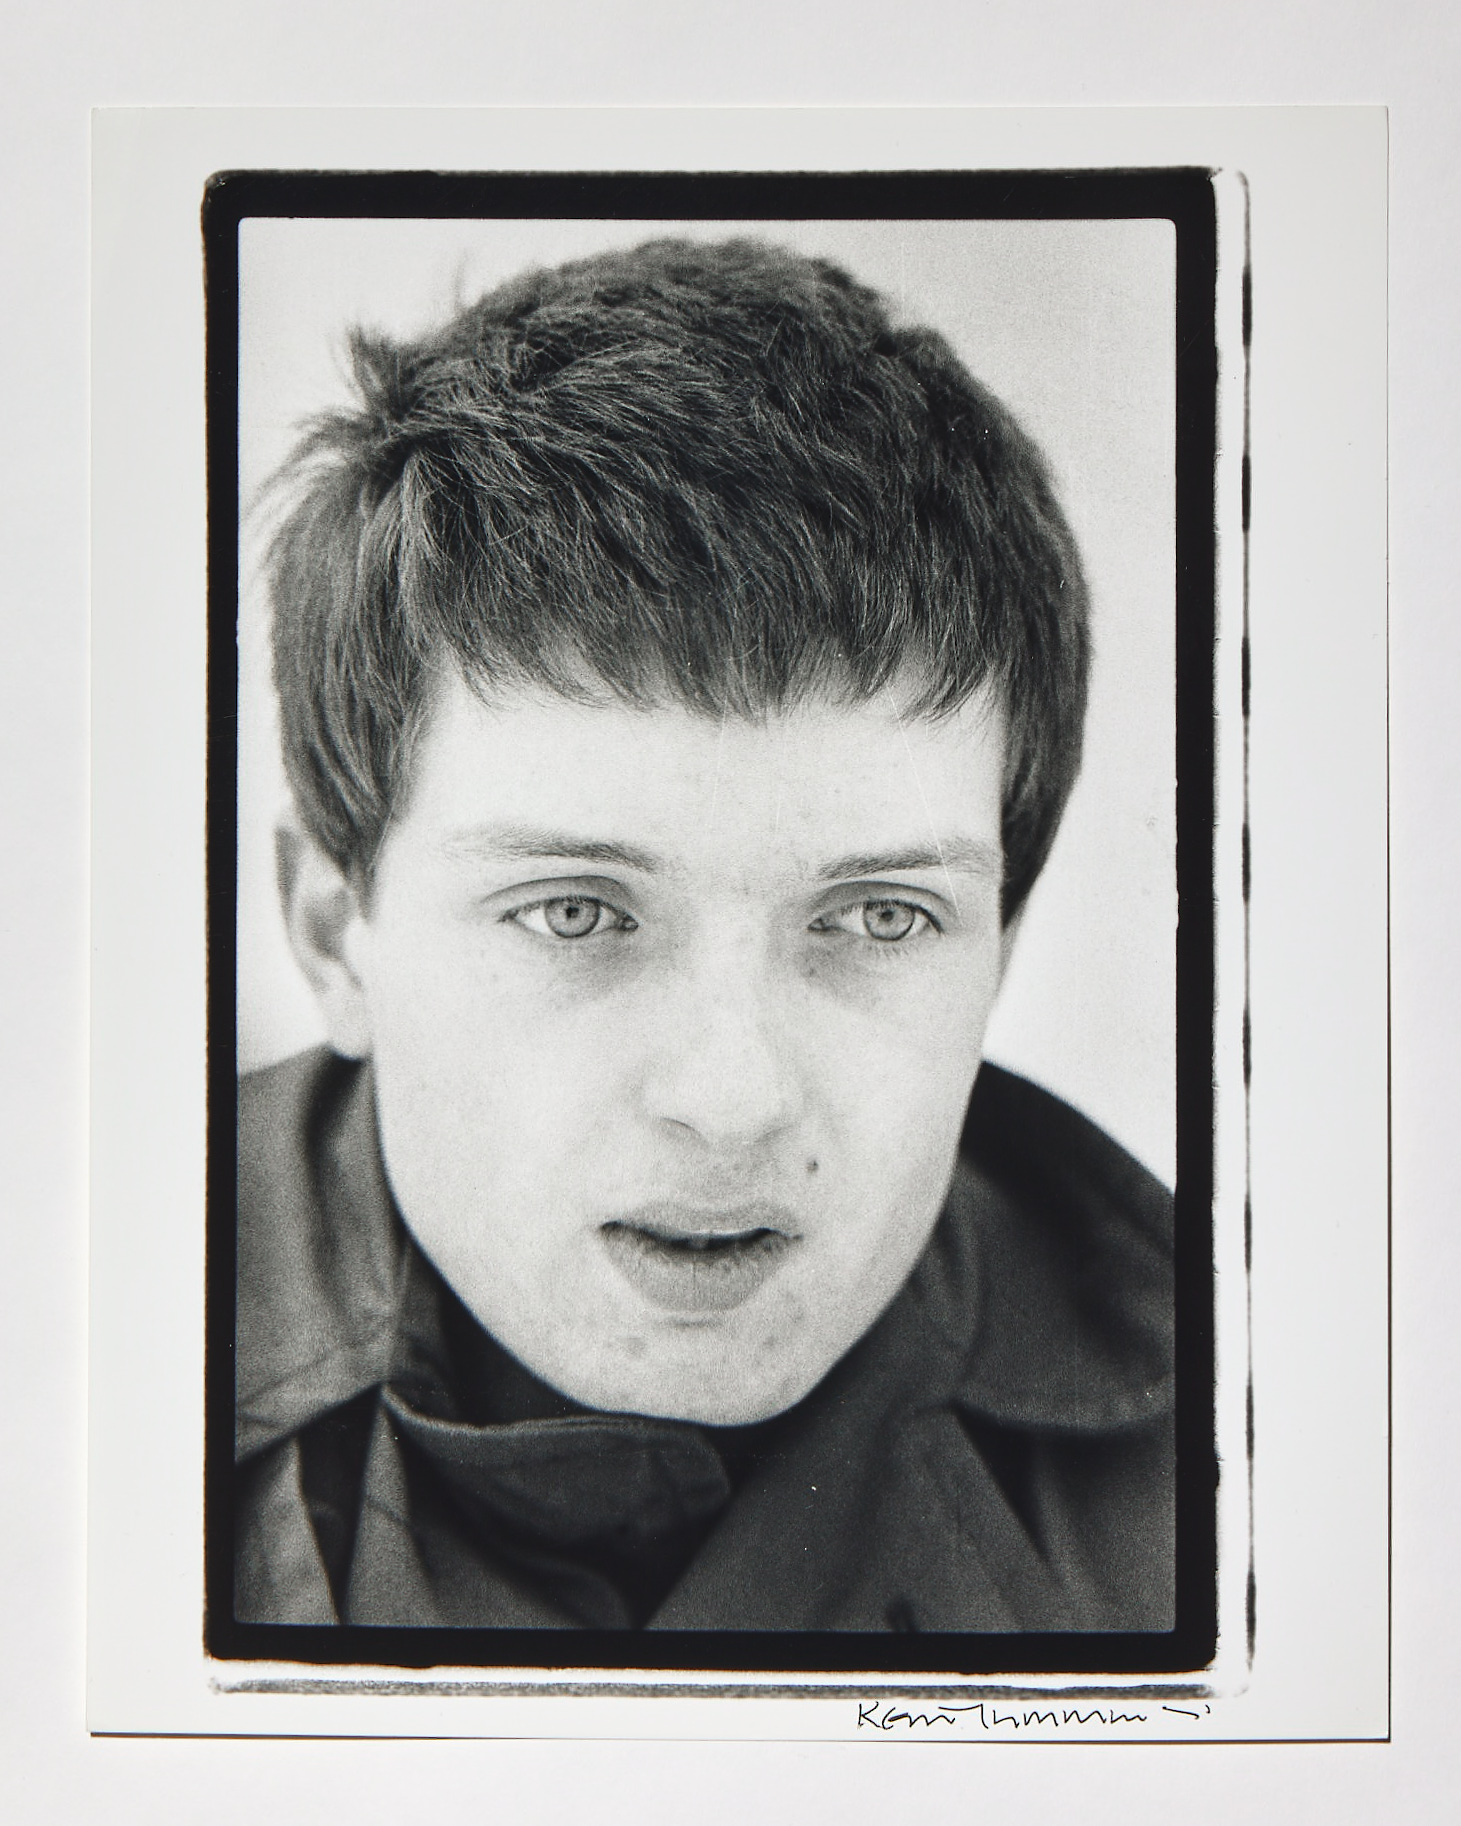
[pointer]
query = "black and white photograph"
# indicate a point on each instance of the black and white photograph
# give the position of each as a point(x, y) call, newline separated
point(738, 1023)
point(711, 1098)
point(730, 991)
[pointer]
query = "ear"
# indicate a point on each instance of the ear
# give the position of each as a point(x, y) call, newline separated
point(325, 922)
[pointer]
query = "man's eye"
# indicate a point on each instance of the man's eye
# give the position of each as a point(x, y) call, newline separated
point(885, 920)
point(572, 916)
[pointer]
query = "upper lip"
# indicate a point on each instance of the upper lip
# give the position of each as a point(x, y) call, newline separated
point(674, 1222)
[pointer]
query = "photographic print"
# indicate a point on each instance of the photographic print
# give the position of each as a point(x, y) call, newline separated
point(711, 949)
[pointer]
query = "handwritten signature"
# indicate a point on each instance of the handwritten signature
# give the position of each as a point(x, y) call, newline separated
point(884, 1716)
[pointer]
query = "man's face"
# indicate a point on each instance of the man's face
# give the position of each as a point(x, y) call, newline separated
point(674, 1022)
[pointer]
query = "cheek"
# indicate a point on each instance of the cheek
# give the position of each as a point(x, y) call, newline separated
point(904, 1060)
point(448, 990)
point(467, 1047)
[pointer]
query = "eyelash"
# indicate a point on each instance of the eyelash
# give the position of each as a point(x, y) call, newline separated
point(617, 920)
point(922, 921)
point(608, 918)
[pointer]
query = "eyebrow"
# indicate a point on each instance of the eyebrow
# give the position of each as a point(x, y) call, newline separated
point(522, 842)
point(957, 855)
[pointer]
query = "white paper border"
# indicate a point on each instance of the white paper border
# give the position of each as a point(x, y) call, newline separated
point(1318, 185)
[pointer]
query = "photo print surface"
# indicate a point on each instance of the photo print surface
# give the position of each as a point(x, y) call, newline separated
point(710, 1091)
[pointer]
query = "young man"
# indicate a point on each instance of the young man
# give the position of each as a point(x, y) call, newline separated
point(682, 672)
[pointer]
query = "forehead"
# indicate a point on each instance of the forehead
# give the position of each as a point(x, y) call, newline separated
point(823, 775)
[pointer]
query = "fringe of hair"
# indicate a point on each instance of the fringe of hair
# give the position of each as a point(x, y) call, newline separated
point(717, 475)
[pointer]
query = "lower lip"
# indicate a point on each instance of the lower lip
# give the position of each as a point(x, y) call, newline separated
point(683, 1279)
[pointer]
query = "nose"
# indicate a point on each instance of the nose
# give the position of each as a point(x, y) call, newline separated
point(721, 1056)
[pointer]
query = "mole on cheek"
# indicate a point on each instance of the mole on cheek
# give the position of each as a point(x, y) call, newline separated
point(811, 1167)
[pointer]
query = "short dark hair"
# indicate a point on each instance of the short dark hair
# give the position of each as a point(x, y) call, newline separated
point(718, 474)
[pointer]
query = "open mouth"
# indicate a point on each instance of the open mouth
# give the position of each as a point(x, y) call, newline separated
point(695, 1270)
point(704, 1242)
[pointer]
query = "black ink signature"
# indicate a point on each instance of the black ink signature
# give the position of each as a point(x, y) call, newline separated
point(876, 1716)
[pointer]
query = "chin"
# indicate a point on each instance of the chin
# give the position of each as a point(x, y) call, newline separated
point(718, 1412)
point(724, 1401)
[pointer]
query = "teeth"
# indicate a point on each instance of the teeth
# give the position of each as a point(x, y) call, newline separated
point(711, 1240)
point(704, 1242)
